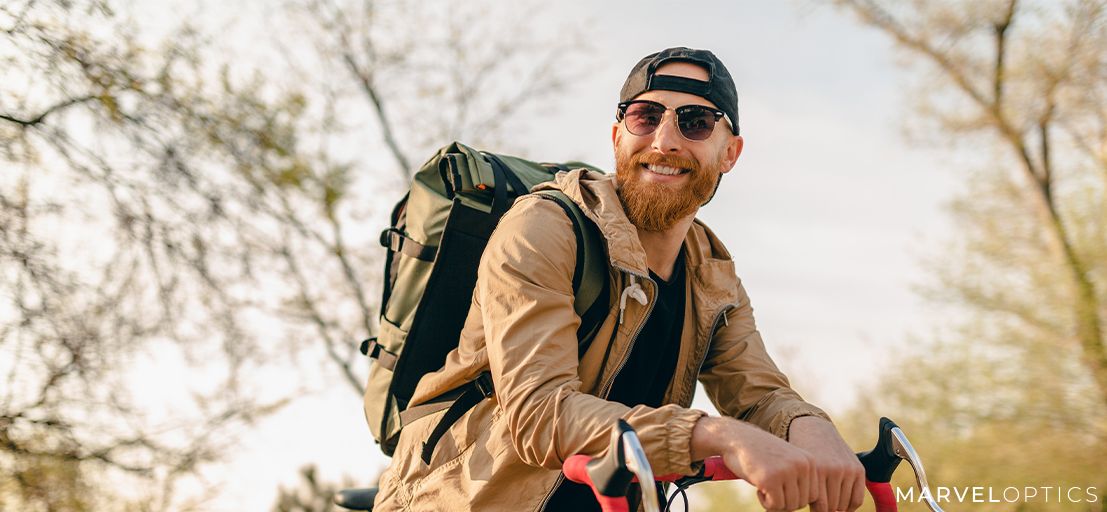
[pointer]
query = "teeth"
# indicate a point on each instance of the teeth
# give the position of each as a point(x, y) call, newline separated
point(662, 169)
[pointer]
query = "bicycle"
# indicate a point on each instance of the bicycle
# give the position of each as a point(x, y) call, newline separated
point(611, 476)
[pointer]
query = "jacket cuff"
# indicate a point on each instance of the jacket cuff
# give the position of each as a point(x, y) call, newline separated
point(679, 443)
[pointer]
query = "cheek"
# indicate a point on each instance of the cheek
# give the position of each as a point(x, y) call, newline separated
point(623, 148)
point(714, 155)
point(628, 142)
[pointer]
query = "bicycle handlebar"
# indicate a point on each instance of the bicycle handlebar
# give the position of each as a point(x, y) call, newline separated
point(610, 477)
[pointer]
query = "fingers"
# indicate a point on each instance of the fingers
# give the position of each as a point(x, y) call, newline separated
point(771, 500)
point(815, 496)
point(836, 489)
point(792, 494)
point(807, 484)
point(818, 504)
point(842, 492)
point(858, 495)
point(844, 488)
point(833, 486)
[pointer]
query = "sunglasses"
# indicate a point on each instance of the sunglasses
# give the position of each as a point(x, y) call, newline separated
point(642, 117)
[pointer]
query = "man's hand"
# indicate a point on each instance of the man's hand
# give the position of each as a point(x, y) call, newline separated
point(840, 484)
point(784, 475)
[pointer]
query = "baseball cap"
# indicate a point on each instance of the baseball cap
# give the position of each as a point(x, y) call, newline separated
point(718, 89)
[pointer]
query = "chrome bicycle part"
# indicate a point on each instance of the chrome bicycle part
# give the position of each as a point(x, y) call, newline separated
point(637, 463)
point(903, 449)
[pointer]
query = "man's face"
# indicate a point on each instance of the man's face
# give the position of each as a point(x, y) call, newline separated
point(655, 199)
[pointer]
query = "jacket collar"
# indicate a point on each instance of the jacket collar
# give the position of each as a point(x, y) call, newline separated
point(707, 260)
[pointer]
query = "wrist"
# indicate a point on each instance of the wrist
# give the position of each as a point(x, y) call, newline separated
point(713, 435)
point(805, 424)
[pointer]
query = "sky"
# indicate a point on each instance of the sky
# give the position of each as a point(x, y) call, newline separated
point(829, 209)
point(828, 212)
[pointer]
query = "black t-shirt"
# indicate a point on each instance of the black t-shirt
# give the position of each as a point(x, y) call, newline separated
point(646, 375)
point(650, 366)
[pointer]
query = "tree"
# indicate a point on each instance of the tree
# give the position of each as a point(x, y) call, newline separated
point(472, 73)
point(166, 206)
point(312, 496)
point(1021, 87)
point(124, 243)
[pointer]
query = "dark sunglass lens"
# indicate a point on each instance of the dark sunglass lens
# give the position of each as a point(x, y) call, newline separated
point(696, 123)
point(643, 118)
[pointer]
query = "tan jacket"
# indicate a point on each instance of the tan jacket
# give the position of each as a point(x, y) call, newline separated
point(506, 453)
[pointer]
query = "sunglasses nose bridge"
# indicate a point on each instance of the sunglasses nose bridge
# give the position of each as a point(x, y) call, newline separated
point(667, 135)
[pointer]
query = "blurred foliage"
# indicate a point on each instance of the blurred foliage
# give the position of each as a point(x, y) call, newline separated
point(312, 495)
point(179, 223)
point(1010, 388)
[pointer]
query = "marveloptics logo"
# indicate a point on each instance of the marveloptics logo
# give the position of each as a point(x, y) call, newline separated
point(1006, 495)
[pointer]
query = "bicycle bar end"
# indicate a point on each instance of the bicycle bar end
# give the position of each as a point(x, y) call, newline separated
point(881, 461)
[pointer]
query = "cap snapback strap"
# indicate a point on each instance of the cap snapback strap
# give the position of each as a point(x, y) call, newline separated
point(679, 84)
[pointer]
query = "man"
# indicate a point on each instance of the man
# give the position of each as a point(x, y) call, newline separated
point(677, 314)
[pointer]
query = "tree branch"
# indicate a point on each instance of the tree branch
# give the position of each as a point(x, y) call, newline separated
point(321, 325)
point(339, 251)
point(33, 121)
point(1085, 308)
point(387, 130)
point(1001, 51)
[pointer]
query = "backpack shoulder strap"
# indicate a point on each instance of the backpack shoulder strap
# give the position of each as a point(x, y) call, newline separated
point(590, 273)
point(590, 290)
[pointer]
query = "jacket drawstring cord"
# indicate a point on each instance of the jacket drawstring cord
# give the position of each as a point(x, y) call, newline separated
point(633, 291)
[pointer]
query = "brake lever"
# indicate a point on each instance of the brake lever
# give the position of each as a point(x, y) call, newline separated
point(637, 463)
point(903, 449)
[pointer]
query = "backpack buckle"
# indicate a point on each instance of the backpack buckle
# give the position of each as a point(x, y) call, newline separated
point(370, 344)
point(387, 239)
point(376, 351)
point(484, 384)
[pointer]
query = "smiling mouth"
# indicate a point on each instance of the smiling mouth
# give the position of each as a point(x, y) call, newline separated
point(665, 170)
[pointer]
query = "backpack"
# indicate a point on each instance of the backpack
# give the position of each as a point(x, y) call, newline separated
point(437, 235)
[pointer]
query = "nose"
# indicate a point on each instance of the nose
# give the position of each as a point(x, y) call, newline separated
point(667, 138)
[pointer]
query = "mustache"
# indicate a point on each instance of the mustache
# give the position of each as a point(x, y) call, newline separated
point(666, 160)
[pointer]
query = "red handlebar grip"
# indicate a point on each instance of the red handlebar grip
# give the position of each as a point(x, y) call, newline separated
point(576, 469)
point(883, 497)
point(715, 469)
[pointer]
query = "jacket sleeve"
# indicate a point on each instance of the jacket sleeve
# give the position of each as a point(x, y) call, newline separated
point(524, 291)
point(743, 382)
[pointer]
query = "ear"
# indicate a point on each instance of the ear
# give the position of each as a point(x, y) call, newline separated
point(615, 135)
point(733, 150)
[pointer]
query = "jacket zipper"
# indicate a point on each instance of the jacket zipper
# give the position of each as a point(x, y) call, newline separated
point(607, 387)
point(649, 309)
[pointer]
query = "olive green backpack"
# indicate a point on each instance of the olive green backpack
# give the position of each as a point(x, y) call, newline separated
point(438, 232)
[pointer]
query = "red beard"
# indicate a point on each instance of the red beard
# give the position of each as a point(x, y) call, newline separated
point(654, 206)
